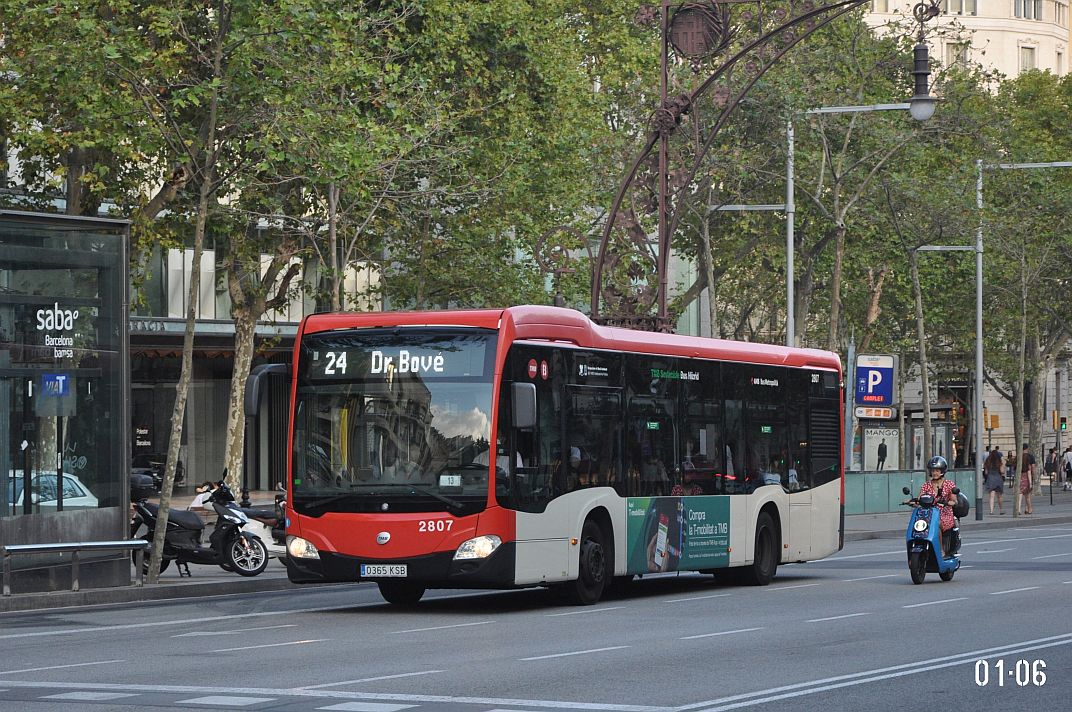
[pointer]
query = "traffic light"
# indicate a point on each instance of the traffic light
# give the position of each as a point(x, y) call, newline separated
point(1064, 423)
point(995, 422)
point(1053, 418)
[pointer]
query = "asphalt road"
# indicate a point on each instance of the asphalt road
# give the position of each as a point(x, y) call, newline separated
point(847, 633)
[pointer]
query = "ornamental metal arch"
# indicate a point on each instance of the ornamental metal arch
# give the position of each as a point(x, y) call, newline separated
point(755, 34)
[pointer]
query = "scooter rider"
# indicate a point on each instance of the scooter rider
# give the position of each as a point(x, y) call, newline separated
point(942, 490)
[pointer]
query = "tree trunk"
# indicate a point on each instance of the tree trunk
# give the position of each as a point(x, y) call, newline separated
point(835, 288)
point(874, 308)
point(76, 168)
point(245, 321)
point(1018, 390)
point(921, 335)
point(249, 302)
point(709, 277)
point(1034, 370)
point(208, 173)
point(333, 246)
point(183, 386)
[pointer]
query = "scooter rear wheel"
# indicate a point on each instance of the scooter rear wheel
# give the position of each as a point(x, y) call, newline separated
point(917, 566)
point(947, 575)
point(248, 556)
point(164, 563)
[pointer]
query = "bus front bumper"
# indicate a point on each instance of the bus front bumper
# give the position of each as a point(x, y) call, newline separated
point(438, 570)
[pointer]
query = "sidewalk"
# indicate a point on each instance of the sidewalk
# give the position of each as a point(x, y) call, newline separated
point(890, 525)
point(214, 581)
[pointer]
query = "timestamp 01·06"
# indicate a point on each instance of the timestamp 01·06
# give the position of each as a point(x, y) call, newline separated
point(1021, 672)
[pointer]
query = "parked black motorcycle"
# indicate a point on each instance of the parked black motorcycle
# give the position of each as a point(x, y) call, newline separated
point(229, 547)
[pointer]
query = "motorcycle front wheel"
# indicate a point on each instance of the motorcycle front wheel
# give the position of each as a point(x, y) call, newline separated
point(917, 566)
point(247, 555)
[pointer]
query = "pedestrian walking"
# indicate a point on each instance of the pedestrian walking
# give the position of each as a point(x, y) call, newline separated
point(1053, 462)
point(1027, 478)
point(994, 472)
point(1067, 468)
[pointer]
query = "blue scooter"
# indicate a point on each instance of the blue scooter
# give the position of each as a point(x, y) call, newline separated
point(922, 538)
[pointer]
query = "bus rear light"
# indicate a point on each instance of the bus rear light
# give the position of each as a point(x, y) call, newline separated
point(301, 549)
point(479, 547)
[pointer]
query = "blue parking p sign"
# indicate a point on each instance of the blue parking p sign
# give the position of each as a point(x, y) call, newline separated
point(874, 379)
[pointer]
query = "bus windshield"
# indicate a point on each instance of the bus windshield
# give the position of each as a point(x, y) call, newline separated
point(393, 420)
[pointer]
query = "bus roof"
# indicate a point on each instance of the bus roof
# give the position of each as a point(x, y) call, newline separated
point(545, 323)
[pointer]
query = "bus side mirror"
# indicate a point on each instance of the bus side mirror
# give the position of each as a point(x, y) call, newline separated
point(523, 402)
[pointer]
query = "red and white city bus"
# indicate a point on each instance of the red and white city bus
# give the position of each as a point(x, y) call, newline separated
point(616, 453)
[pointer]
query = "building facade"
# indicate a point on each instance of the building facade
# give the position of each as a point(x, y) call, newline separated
point(1010, 36)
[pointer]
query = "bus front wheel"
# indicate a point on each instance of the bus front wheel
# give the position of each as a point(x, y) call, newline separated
point(765, 562)
point(401, 593)
point(594, 570)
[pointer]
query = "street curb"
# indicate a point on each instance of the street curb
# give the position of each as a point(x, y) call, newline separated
point(967, 528)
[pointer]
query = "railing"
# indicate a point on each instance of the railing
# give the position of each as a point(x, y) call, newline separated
point(880, 492)
point(138, 546)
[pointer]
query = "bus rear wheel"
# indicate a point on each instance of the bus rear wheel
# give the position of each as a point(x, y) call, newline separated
point(401, 593)
point(594, 570)
point(765, 563)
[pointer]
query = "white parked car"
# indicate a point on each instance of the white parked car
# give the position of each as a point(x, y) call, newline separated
point(43, 491)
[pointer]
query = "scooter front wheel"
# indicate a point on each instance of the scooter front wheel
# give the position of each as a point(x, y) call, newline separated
point(917, 566)
point(248, 555)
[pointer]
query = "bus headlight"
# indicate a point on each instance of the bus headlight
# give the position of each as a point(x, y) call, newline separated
point(301, 549)
point(479, 547)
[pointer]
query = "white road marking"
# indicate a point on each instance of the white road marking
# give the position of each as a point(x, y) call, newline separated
point(994, 551)
point(834, 618)
point(1013, 590)
point(270, 645)
point(368, 679)
point(334, 695)
point(197, 633)
point(1052, 556)
point(750, 699)
point(869, 578)
point(932, 603)
point(786, 588)
point(585, 610)
point(224, 701)
point(86, 696)
point(863, 556)
point(575, 652)
point(441, 627)
point(1017, 540)
point(59, 667)
point(697, 598)
point(366, 707)
point(724, 632)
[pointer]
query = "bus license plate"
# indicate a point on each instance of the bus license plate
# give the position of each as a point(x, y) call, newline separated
point(383, 570)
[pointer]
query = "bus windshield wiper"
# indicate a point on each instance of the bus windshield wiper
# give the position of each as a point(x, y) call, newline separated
point(417, 488)
point(325, 500)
